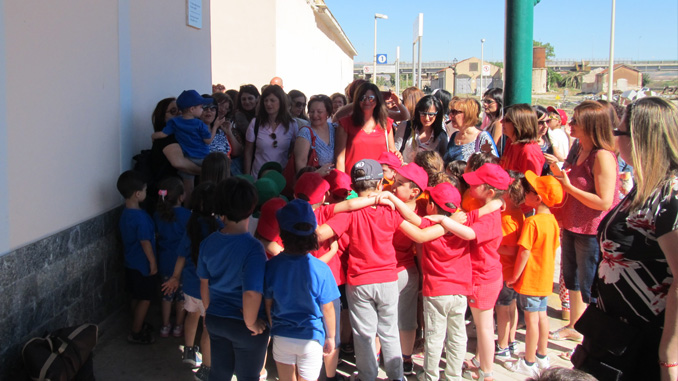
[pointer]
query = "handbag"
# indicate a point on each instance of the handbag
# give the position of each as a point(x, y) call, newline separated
point(615, 350)
point(290, 173)
point(62, 355)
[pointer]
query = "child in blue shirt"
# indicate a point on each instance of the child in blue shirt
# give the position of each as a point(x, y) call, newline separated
point(170, 225)
point(301, 312)
point(231, 268)
point(138, 239)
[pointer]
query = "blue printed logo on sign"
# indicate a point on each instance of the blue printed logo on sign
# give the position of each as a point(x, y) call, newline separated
point(381, 59)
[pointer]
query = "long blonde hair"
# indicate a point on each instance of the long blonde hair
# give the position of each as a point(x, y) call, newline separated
point(653, 124)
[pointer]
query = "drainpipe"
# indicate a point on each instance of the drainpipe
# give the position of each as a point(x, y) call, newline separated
point(518, 51)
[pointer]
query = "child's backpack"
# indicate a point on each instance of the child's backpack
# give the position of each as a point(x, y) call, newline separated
point(63, 355)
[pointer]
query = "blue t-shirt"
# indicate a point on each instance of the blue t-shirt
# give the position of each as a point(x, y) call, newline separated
point(299, 286)
point(233, 264)
point(191, 135)
point(136, 226)
point(189, 277)
point(169, 235)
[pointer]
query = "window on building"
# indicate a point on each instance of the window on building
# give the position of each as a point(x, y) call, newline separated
point(473, 66)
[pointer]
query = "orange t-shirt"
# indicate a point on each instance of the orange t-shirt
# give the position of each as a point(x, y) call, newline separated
point(541, 236)
point(511, 226)
point(469, 203)
point(387, 185)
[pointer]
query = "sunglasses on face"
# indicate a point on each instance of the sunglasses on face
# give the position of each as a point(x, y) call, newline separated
point(429, 114)
point(545, 121)
point(299, 104)
point(368, 98)
point(454, 112)
point(488, 101)
point(209, 107)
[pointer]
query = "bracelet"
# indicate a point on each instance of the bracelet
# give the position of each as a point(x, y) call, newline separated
point(668, 364)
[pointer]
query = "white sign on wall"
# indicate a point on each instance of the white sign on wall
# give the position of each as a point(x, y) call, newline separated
point(194, 13)
point(486, 69)
point(367, 69)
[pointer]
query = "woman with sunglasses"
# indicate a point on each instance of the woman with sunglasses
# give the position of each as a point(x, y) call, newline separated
point(427, 129)
point(464, 114)
point(224, 135)
point(548, 148)
point(590, 179)
point(270, 136)
point(365, 134)
point(493, 103)
point(636, 282)
point(298, 106)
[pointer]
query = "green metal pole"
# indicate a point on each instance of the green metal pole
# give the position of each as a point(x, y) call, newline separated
point(518, 51)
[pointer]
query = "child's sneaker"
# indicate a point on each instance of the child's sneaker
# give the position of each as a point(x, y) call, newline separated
point(178, 330)
point(501, 354)
point(408, 368)
point(143, 337)
point(544, 363)
point(202, 374)
point(165, 330)
point(513, 347)
point(190, 356)
point(521, 367)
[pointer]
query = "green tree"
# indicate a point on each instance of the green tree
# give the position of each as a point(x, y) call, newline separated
point(550, 51)
point(554, 79)
point(498, 64)
point(646, 79)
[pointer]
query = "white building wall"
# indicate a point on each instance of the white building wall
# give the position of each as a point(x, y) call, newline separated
point(284, 38)
point(81, 79)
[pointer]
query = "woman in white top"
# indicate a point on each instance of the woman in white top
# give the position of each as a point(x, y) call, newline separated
point(427, 129)
point(271, 134)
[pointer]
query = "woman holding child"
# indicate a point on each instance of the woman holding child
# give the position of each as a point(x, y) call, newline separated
point(639, 244)
point(270, 136)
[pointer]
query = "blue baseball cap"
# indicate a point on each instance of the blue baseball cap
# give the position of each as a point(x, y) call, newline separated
point(294, 212)
point(190, 98)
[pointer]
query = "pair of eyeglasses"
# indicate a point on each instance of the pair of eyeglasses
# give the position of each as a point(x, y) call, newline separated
point(545, 121)
point(618, 132)
point(429, 114)
point(554, 117)
point(454, 112)
point(300, 104)
point(275, 141)
point(368, 98)
point(488, 101)
point(209, 107)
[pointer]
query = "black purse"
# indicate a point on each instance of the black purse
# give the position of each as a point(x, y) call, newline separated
point(615, 350)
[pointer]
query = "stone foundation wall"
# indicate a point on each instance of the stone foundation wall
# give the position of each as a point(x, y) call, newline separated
point(72, 277)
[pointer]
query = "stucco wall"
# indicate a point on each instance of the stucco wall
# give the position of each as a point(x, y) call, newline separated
point(277, 38)
point(80, 81)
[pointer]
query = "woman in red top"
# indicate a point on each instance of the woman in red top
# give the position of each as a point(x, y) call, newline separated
point(367, 132)
point(522, 151)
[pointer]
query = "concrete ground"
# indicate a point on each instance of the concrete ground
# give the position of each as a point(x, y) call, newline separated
point(115, 359)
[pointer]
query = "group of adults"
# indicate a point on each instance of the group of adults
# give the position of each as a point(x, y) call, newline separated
point(618, 257)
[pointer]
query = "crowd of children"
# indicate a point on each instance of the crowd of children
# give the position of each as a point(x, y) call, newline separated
point(260, 267)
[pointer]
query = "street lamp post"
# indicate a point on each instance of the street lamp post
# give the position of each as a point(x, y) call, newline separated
point(482, 44)
point(374, 59)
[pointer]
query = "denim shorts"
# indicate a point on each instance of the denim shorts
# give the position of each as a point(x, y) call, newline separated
point(532, 303)
point(579, 258)
point(176, 296)
point(506, 296)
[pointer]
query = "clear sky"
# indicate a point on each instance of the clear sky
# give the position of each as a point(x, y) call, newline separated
point(577, 29)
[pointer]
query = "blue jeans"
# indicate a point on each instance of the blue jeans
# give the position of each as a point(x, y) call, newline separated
point(580, 253)
point(234, 349)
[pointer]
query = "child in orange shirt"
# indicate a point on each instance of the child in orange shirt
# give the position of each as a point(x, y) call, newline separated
point(533, 272)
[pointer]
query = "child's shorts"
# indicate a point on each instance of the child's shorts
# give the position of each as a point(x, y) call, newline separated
point(342, 297)
point(408, 285)
point(186, 175)
point(484, 296)
point(306, 354)
point(141, 287)
point(176, 296)
point(506, 296)
point(192, 304)
point(532, 303)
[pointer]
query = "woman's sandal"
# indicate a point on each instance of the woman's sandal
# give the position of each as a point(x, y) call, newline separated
point(566, 333)
point(567, 356)
point(480, 376)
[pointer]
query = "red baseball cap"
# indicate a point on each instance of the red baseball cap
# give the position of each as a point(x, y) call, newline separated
point(313, 186)
point(414, 173)
point(390, 159)
point(268, 224)
point(561, 113)
point(445, 193)
point(490, 174)
point(340, 183)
